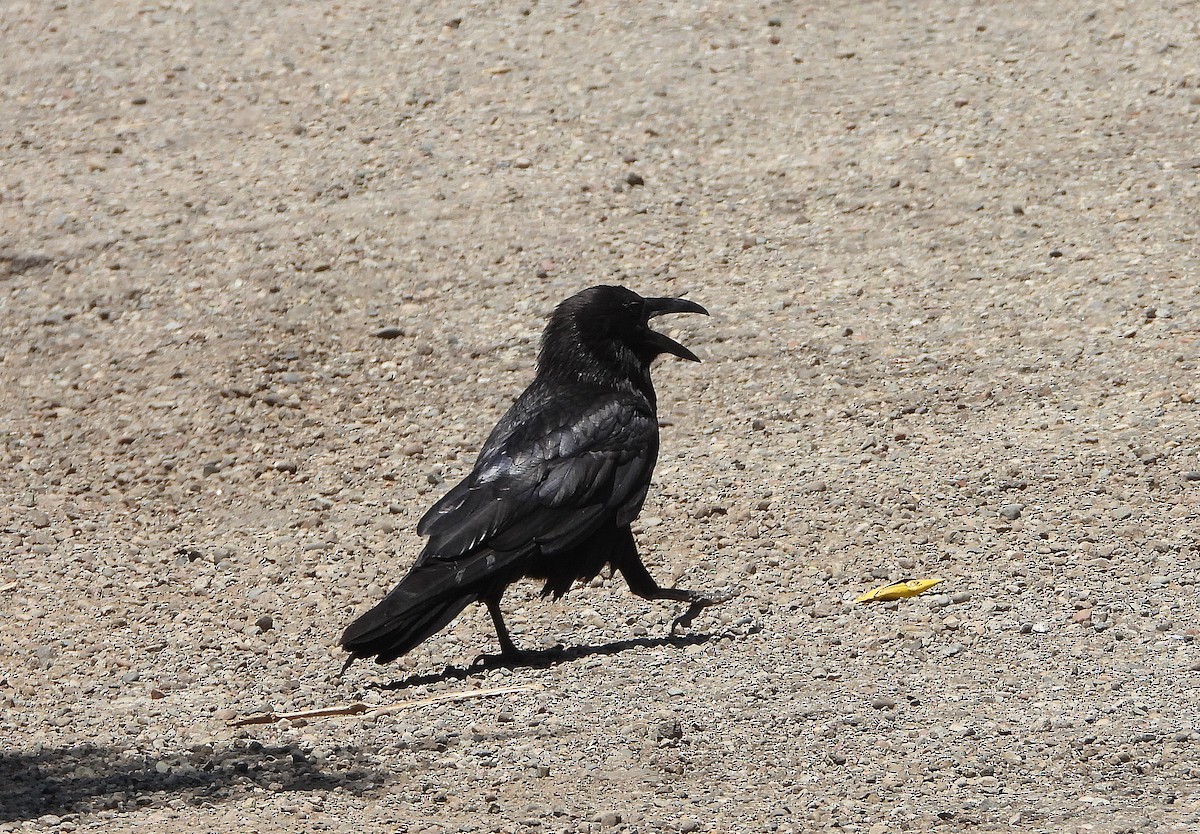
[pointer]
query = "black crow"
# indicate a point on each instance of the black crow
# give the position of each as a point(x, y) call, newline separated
point(555, 486)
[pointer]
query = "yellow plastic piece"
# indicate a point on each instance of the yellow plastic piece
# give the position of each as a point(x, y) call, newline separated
point(900, 590)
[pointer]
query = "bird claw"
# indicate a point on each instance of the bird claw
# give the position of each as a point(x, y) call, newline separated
point(685, 619)
point(488, 661)
point(483, 660)
point(520, 657)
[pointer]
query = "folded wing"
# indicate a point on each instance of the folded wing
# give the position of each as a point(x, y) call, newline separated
point(549, 483)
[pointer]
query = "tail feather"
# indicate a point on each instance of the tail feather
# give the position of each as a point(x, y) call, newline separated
point(388, 633)
point(430, 596)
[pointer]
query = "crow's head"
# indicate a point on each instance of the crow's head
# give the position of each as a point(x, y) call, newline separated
point(611, 326)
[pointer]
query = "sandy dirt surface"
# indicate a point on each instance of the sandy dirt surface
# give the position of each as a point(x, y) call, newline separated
point(952, 254)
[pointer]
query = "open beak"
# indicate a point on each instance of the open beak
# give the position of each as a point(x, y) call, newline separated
point(662, 306)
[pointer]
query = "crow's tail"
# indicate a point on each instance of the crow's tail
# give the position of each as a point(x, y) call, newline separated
point(416, 609)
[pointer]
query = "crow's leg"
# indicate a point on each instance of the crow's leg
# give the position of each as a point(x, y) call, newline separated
point(509, 653)
point(508, 649)
point(642, 583)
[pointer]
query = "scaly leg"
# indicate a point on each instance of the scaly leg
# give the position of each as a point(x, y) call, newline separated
point(508, 649)
point(642, 583)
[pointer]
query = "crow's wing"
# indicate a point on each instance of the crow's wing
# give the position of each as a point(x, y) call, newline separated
point(549, 477)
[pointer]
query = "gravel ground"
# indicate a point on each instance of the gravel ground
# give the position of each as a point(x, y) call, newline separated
point(270, 272)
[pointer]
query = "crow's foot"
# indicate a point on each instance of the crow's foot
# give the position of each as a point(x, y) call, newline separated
point(699, 603)
point(518, 657)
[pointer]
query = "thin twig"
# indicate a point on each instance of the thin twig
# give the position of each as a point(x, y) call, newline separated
point(365, 710)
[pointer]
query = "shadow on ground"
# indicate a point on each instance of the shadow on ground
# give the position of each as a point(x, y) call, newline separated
point(552, 657)
point(89, 778)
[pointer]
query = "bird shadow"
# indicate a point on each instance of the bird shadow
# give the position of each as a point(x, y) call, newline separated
point(546, 658)
point(88, 778)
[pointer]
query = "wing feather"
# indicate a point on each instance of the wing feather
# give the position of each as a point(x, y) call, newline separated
point(551, 480)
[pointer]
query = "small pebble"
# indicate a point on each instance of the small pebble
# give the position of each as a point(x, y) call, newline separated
point(1012, 511)
point(669, 729)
